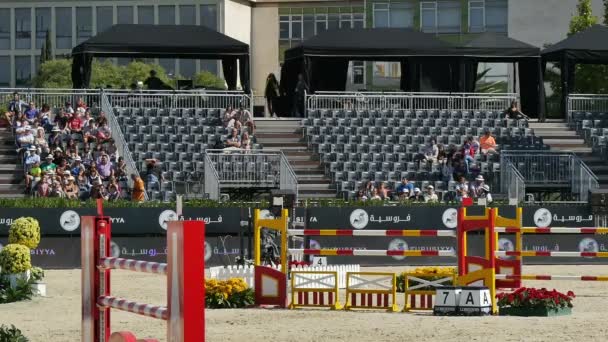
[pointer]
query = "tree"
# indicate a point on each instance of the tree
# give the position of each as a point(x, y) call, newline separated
point(584, 18)
point(49, 47)
point(54, 74)
point(605, 12)
point(205, 79)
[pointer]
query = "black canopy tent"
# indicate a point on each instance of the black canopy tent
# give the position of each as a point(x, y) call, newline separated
point(323, 60)
point(587, 47)
point(163, 41)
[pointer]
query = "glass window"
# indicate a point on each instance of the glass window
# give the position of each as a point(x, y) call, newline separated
point(476, 16)
point(145, 15)
point(187, 67)
point(496, 16)
point(402, 15)
point(284, 27)
point(5, 71)
point(187, 15)
point(346, 20)
point(333, 21)
point(166, 15)
point(105, 18)
point(381, 15)
point(43, 25)
point(320, 23)
point(63, 27)
point(209, 16)
point(23, 71)
point(296, 27)
point(168, 64)
point(23, 29)
point(428, 16)
point(84, 18)
point(209, 65)
point(124, 15)
point(448, 16)
point(358, 72)
point(5, 29)
point(358, 20)
point(309, 25)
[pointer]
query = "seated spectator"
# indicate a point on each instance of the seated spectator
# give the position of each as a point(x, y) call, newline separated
point(112, 150)
point(98, 191)
point(61, 121)
point(430, 196)
point(104, 167)
point(68, 108)
point(81, 104)
point(153, 174)
point(361, 196)
point(369, 188)
point(62, 167)
point(57, 155)
point(43, 189)
point(93, 176)
point(31, 157)
point(90, 132)
point(383, 192)
point(55, 139)
point(441, 153)
point(77, 166)
point(138, 191)
point(25, 138)
point(48, 166)
point(101, 120)
point(375, 196)
point(468, 154)
point(71, 189)
point(98, 152)
point(475, 187)
point(484, 192)
point(31, 114)
point(14, 107)
point(233, 141)
point(514, 113)
point(246, 120)
point(405, 189)
point(488, 143)
point(71, 148)
point(83, 181)
point(245, 141)
point(87, 156)
point(45, 117)
point(429, 153)
point(229, 117)
point(113, 193)
point(75, 123)
point(417, 196)
point(462, 189)
point(33, 177)
point(120, 169)
point(57, 190)
point(103, 134)
point(40, 140)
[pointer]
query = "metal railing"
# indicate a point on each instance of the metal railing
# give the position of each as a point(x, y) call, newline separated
point(546, 168)
point(514, 181)
point(55, 98)
point(586, 103)
point(235, 168)
point(199, 98)
point(408, 101)
point(119, 138)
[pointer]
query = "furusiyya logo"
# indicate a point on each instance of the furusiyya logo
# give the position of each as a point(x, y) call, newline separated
point(450, 218)
point(359, 219)
point(166, 216)
point(114, 249)
point(542, 218)
point(208, 251)
point(398, 245)
point(588, 245)
point(505, 245)
point(313, 244)
point(69, 220)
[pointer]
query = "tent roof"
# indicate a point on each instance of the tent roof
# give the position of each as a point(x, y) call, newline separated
point(590, 45)
point(185, 41)
point(496, 45)
point(369, 43)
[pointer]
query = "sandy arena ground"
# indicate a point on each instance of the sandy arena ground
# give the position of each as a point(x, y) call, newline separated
point(56, 318)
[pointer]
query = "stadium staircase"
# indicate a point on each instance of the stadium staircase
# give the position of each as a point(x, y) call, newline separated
point(560, 137)
point(287, 135)
point(12, 183)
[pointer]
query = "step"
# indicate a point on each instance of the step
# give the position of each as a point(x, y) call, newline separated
point(316, 195)
point(593, 160)
point(278, 129)
point(307, 176)
point(582, 149)
point(11, 180)
point(11, 188)
point(309, 157)
point(537, 125)
point(572, 141)
point(557, 134)
point(271, 140)
point(314, 186)
point(13, 195)
point(317, 192)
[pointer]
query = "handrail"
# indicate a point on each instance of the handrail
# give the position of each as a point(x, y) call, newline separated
point(289, 179)
point(212, 179)
point(119, 138)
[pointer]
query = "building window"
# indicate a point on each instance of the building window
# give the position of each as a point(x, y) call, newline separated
point(84, 19)
point(209, 65)
point(23, 71)
point(209, 16)
point(333, 21)
point(358, 21)
point(346, 21)
point(5, 29)
point(168, 64)
point(320, 23)
point(187, 15)
point(296, 27)
point(381, 15)
point(166, 15)
point(476, 16)
point(43, 25)
point(449, 16)
point(187, 67)
point(23, 28)
point(105, 18)
point(401, 15)
point(358, 72)
point(5, 71)
point(145, 15)
point(428, 16)
point(497, 16)
point(309, 26)
point(124, 15)
point(63, 27)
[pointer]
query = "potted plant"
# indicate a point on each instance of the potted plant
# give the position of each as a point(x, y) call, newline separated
point(535, 302)
point(36, 283)
point(15, 263)
point(25, 231)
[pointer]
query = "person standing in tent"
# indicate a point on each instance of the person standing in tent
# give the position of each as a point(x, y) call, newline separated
point(300, 96)
point(271, 93)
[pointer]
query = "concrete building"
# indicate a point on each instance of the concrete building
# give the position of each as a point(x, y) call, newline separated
point(272, 26)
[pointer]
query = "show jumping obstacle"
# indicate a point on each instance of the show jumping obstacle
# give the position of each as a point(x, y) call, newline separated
point(185, 282)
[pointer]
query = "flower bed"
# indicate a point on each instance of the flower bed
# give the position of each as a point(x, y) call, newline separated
point(232, 293)
point(426, 273)
point(535, 302)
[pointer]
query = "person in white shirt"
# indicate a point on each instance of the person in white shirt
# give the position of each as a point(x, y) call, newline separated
point(484, 192)
point(430, 196)
point(246, 120)
point(475, 187)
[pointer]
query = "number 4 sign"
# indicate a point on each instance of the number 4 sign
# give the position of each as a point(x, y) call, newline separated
point(319, 261)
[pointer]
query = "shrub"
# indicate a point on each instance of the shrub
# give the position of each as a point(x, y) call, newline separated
point(25, 231)
point(11, 334)
point(231, 293)
point(37, 274)
point(534, 298)
point(23, 291)
point(15, 259)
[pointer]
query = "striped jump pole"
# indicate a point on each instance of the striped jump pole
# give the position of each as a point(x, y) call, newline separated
point(551, 277)
point(350, 232)
point(372, 252)
point(553, 254)
point(184, 270)
point(553, 230)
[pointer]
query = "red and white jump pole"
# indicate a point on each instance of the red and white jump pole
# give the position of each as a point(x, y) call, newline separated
point(185, 271)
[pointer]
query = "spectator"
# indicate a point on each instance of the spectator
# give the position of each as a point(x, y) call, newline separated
point(462, 189)
point(514, 113)
point(48, 166)
point(25, 138)
point(468, 154)
point(299, 96)
point(104, 167)
point(233, 141)
point(383, 192)
point(245, 141)
point(14, 107)
point(417, 196)
point(375, 196)
point(81, 104)
point(112, 150)
point(90, 132)
point(271, 92)
point(43, 187)
point(71, 148)
point(55, 139)
point(484, 192)
point(228, 117)
point(361, 195)
point(56, 190)
point(487, 143)
point(31, 114)
point(120, 169)
point(447, 171)
point(429, 152)
point(75, 123)
point(93, 177)
point(475, 187)
point(430, 196)
point(45, 117)
point(62, 168)
point(405, 189)
point(57, 155)
point(40, 140)
point(113, 193)
point(33, 177)
point(98, 191)
point(138, 192)
point(153, 174)
point(61, 121)
point(68, 108)
point(369, 188)
point(441, 153)
point(103, 134)
point(101, 120)
point(71, 189)
point(246, 120)
point(77, 166)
